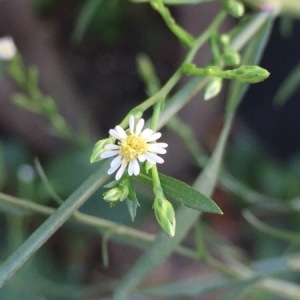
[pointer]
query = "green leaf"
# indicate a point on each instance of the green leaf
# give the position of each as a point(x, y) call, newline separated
point(292, 237)
point(84, 19)
point(288, 87)
point(213, 88)
point(196, 286)
point(132, 201)
point(184, 194)
point(187, 195)
point(132, 208)
point(32, 81)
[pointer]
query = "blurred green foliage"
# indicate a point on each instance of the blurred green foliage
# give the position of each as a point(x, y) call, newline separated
point(61, 269)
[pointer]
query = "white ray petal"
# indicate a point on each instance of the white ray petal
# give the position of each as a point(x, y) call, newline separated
point(136, 168)
point(112, 147)
point(113, 168)
point(139, 126)
point(121, 132)
point(146, 133)
point(131, 124)
point(121, 170)
point(142, 158)
point(131, 168)
point(114, 134)
point(156, 149)
point(107, 154)
point(152, 158)
point(161, 145)
point(116, 161)
point(153, 137)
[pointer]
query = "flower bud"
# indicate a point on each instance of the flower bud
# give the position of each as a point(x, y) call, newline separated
point(235, 8)
point(116, 194)
point(165, 215)
point(231, 58)
point(98, 149)
point(251, 74)
point(7, 48)
point(213, 88)
point(224, 39)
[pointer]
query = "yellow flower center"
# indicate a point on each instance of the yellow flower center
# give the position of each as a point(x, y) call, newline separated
point(132, 147)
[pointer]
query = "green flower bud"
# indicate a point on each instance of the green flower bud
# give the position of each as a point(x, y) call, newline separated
point(231, 58)
point(165, 215)
point(115, 195)
point(224, 39)
point(234, 7)
point(213, 88)
point(251, 74)
point(99, 148)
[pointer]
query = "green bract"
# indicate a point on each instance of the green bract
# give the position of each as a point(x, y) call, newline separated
point(213, 88)
point(165, 215)
point(98, 149)
point(116, 195)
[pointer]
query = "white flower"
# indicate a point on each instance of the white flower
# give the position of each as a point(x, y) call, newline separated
point(7, 48)
point(134, 146)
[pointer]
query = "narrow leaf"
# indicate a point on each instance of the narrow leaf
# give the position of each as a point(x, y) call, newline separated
point(187, 195)
point(288, 87)
point(132, 208)
point(182, 193)
point(213, 88)
point(292, 237)
point(84, 19)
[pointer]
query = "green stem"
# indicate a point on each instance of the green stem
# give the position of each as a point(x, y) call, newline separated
point(165, 90)
point(187, 92)
point(15, 231)
point(186, 38)
point(126, 233)
point(157, 189)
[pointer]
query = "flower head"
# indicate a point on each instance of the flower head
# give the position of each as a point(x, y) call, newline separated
point(116, 194)
point(7, 48)
point(134, 146)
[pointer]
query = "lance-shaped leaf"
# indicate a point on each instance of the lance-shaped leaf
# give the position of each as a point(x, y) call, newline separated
point(184, 194)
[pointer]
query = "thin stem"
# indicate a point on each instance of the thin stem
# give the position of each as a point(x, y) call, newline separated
point(185, 37)
point(164, 91)
point(126, 233)
point(157, 189)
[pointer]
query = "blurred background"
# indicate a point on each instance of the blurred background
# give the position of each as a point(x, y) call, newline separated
point(86, 54)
